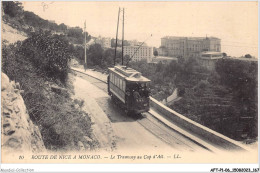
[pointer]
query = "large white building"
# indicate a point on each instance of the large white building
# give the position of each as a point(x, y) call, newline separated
point(188, 46)
point(105, 42)
point(143, 53)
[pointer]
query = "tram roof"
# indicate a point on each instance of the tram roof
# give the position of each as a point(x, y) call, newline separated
point(129, 74)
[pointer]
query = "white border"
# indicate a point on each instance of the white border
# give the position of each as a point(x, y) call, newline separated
point(129, 167)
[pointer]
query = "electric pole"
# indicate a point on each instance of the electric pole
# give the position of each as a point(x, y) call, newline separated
point(116, 35)
point(123, 37)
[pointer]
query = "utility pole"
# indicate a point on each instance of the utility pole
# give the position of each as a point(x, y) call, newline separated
point(85, 65)
point(116, 35)
point(123, 37)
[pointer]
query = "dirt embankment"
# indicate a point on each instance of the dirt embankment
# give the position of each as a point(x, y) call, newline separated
point(11, 35)
point(19, 134)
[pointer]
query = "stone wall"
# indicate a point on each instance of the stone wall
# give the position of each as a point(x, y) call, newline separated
point(19, 134)
point(196, 129)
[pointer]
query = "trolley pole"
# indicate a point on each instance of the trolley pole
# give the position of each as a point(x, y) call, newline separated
point(123, 37)
point(116, 35)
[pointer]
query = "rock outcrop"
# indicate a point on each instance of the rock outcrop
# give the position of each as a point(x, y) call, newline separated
point(19, 134)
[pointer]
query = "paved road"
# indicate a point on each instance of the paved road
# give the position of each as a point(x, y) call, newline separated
point(144, 133)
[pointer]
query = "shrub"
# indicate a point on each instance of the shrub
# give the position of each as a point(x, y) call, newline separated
point(61, 120)
point(12, 9)
point(50, 53)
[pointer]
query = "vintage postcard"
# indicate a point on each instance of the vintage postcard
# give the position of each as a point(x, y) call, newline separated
point(130, 82)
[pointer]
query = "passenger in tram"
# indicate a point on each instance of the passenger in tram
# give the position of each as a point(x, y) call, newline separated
point(136, 92)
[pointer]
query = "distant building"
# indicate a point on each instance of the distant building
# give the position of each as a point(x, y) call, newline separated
point(90, 42)
point(135, 43)
point(144, 53)
point(105, 42)
point(189, 46)
point(209, 59)
point(163, 59)
point(126, 43)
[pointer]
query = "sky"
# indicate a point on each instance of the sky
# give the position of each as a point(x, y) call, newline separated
point(235, 23)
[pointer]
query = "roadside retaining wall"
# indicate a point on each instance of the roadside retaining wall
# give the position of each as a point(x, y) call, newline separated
point(18, 132)
point(194, 128)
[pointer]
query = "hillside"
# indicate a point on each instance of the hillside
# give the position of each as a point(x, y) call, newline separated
point(11, 35)
point(19, 133)
point(40, 64)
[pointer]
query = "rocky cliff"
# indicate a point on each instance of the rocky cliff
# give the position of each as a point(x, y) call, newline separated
point(18, 134)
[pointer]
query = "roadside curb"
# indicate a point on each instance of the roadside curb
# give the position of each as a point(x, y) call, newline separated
point(183, 132)
point(75, 69)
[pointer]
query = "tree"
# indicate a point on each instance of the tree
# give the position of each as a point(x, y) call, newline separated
point(159, 67)
point(127, 59)
point(76, 33)
point(49, 53)
point(13, 9)
point(155, 53)
point(248, 56)
point(109, 55)
point(33, 20)
point(241, 78)
point(95, 55)
point(62, 27)
point(88, 37)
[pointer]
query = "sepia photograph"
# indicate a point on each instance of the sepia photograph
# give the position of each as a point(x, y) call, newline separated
point(120, 82)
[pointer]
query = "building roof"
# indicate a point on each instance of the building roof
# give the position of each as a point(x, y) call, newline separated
point(211, 53)
point(189, 38)
point(219, 55)
point(129, 74)
point(136, 46)
point(165, 58)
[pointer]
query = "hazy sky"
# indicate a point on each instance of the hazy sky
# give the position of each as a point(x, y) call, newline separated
point(235, 23)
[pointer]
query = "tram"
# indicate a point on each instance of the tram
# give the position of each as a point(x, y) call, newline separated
point(129, 89)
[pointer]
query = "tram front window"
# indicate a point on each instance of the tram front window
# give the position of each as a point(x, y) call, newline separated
point(141, 88)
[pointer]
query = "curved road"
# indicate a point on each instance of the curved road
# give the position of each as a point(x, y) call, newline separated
point(136, 133)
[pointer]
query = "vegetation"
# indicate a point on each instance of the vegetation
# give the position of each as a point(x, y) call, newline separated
point(49, 53)
point(155, 53)
point(29, 23)
point(224, 100)
point(38, 64)
point(248, 56)
point(97, 57)
point(240, 78)
point(12, 8)
point(119, 43)
point(76, 35)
